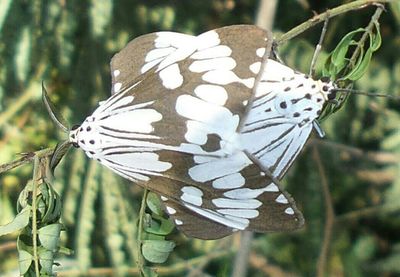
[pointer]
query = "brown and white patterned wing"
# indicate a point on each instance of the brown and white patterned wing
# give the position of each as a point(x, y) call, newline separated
point(174, 130)
point(142, 54)
point(230, 194)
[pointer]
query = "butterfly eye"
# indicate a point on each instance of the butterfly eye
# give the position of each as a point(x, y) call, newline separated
point(332, 95)
point(325, 79)
point(75, 127)
point(76, 145)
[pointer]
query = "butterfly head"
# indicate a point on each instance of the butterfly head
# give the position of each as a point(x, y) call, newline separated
point(85, 136)
point(327, 88)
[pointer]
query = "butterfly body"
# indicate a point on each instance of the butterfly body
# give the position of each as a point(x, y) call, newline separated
point(173, 125)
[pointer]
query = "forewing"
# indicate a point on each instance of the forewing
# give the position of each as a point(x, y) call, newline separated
point(142, 54)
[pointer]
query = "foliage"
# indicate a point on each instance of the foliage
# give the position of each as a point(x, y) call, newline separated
point(69, 45)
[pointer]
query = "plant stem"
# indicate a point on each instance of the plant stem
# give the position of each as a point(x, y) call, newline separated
point(27, 158)
point(355, 5)
point(34, 215)
point(365, 36)
point(140, 260)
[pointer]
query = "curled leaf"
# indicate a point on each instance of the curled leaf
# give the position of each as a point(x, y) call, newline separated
point(20, 221)
point(59, 152)
point(157, 251)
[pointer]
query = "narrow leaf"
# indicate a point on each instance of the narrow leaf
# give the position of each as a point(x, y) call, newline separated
point(20, 221)
point(360, 70)
point(377, 39)
point(59, 152)
point(54, 115)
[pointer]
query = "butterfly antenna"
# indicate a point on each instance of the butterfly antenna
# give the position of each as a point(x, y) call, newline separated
point(318, 47)
point(354, 91)
point(57, 119)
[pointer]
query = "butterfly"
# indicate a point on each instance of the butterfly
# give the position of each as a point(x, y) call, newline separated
point(211, 123)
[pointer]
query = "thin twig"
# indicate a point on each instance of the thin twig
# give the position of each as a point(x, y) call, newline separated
point(242, 257)
point(27, 158)
point(354, 152)
point(329, 213)
point(35, 185)
point(368, 212)
point(174, 269)
point(266, 14)
point(365, 36)
point(355, 5)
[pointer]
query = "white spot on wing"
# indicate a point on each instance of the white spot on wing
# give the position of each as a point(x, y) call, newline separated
point(207, 40)
point(243, 193)
point(224, 77)
point(231, 181)
point(272, 187)
point(213, 52)
point(116, 73)
point(234, 203)
point(192, 195)
point(289, 211)
point(233, 222)
point(223, 63)
point(163, 198)
point(171, 77)
point(159, 53)
point(242, 213)
point(142, 119)
point(260, 52)
point(218, 168)
point(150, 65)
point(281, 199)
point(117, 87)
point(166, 39)
point(255, 67)
point(212, 93)
point(171, 210)
point(178, 222)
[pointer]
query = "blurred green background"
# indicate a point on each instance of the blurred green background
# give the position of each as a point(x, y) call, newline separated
point(69, 44)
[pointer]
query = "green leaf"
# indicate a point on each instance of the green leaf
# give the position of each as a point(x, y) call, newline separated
point(46, 260)
point(24, 261)
point(59, 152)
point(359, 71)
point(157, 251)
point(160, 226)
point(49, 236)
point(339, 53)
point(20, 221)
point(154, 203)
point(65, 251)
point(55, 116)
point(376, 41)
